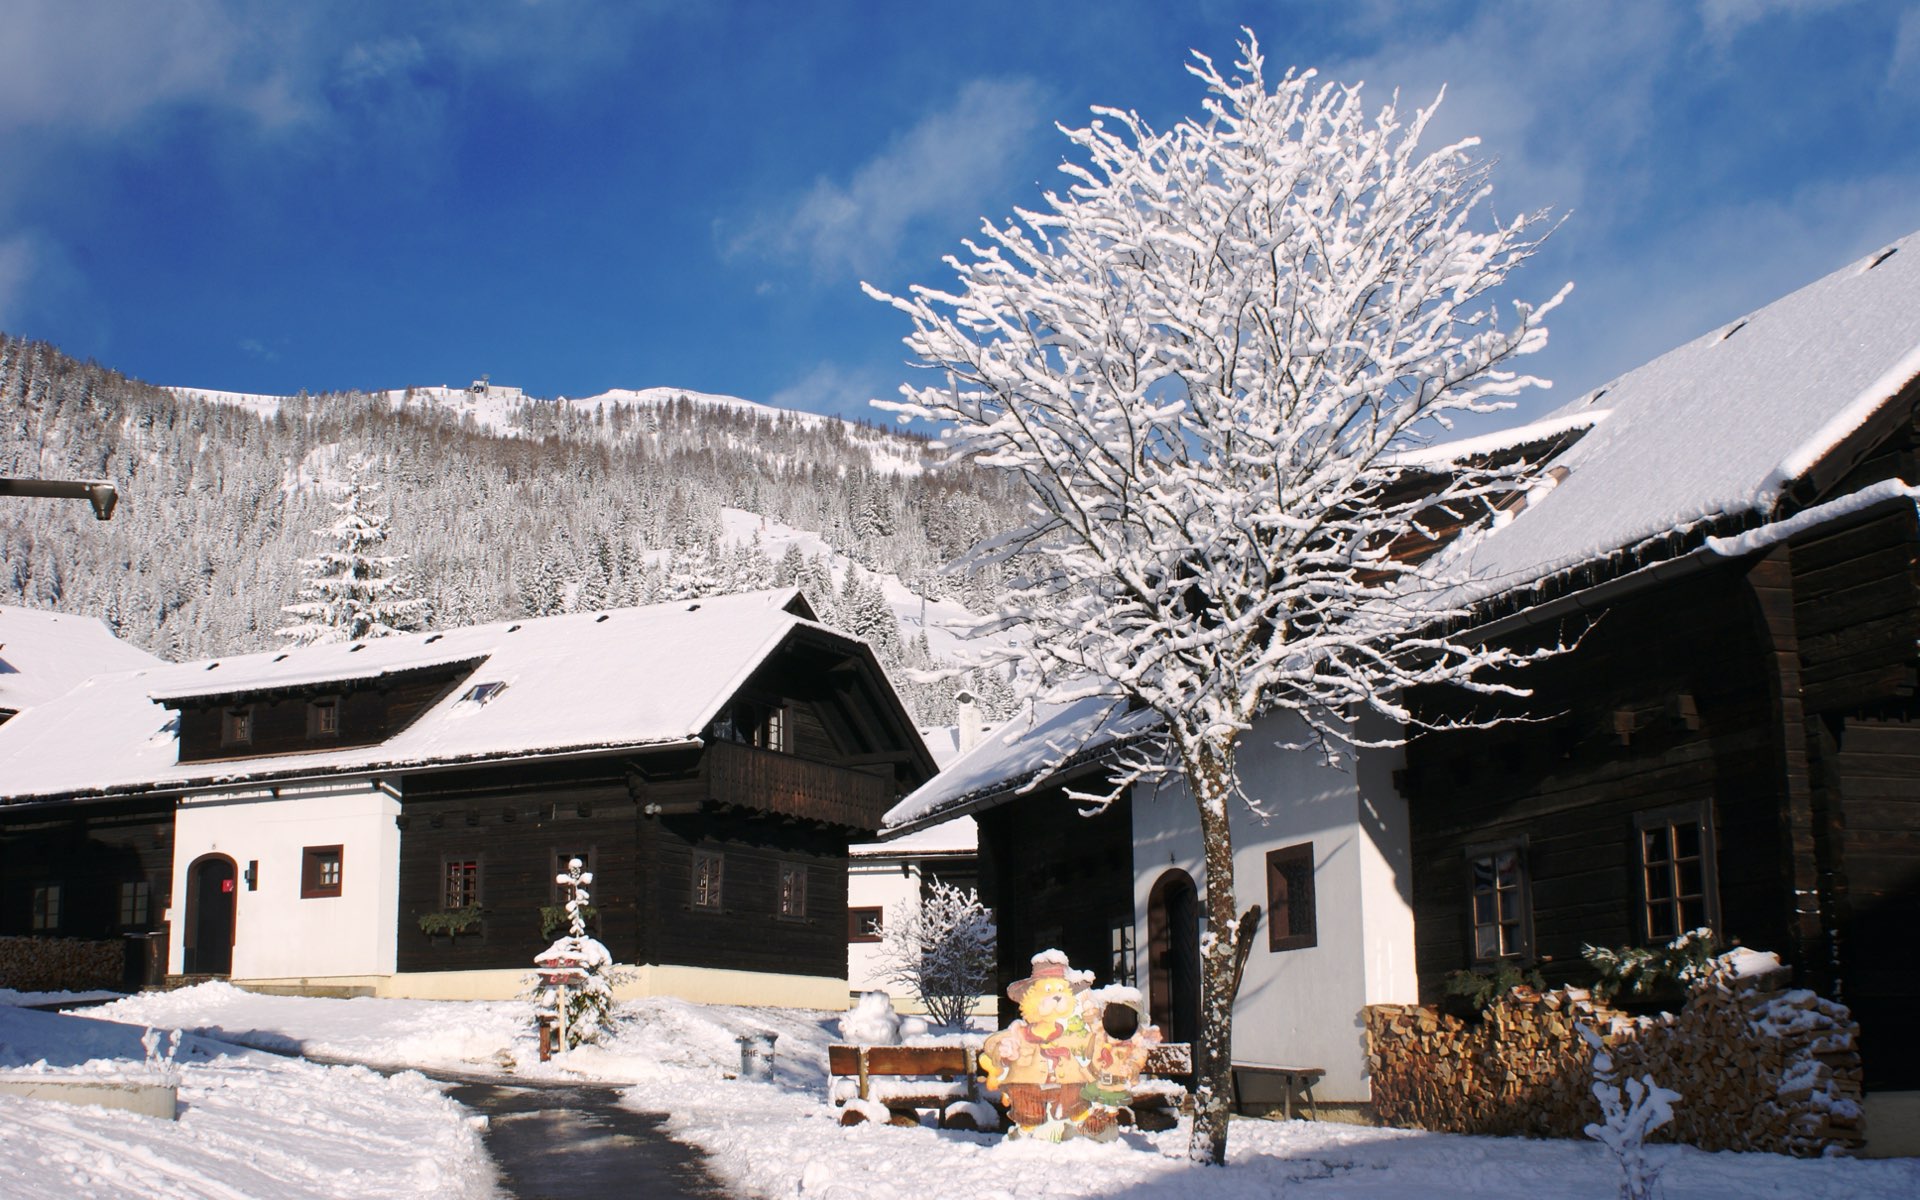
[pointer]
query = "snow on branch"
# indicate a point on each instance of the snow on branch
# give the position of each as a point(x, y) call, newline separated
point(1204, 359)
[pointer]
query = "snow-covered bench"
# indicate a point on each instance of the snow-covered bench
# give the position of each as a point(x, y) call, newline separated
point(893, 1083)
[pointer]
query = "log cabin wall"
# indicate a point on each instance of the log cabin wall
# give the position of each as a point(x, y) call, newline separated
point(1056, 880)
point(91, 852)
point(1857, 607)
point(513, 821)
point(1779, 689)
point(746, 930)
point(516, 822)
point(1663, 703)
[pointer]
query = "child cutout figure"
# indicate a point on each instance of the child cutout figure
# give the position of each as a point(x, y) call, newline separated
point(1116, 1056)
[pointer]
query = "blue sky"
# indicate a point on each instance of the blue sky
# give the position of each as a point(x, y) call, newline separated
point(574, 196)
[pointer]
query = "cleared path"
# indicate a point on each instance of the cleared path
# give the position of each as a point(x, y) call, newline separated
point(563, 1141)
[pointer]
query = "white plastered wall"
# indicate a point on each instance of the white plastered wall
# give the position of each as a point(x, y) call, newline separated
point(892, 884)
point(277, 934)
point(1302, 1007)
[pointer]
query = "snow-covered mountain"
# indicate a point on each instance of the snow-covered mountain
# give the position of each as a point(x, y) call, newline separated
point(509, 412)
point(501, 506)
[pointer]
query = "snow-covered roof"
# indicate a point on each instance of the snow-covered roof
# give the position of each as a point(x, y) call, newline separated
point(46, 654)
point(1015, 753)
point(1487, 445)
point(582, 682)
point(1722, 425)
point(960, 836)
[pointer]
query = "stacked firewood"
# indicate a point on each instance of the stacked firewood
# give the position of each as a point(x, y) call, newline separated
point(30, 964)
point(1758, 1067)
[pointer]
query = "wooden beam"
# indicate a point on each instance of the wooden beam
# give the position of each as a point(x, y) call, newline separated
point(1770, 584)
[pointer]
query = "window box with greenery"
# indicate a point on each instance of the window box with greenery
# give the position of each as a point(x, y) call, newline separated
point(453, 922)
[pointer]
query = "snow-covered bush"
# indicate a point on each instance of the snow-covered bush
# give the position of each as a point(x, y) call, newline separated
point(161, 1064)
point(577, 977)
point(943, 953)
point(1647, 1107)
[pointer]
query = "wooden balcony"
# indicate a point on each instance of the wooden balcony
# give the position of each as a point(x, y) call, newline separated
point(780, 783)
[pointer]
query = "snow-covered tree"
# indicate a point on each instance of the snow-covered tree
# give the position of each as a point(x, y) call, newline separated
point(1647, 1107)
point(1202, 360)
point(576, 972)
point(351, 592)
point(941, 951)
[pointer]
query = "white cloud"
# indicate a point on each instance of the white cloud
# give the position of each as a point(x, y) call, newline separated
point(831, 388)
point(1724, 18)
point(1905, 59)
point(1509, 73)
point(16, 272)
point(942, 169)
point(98, 68)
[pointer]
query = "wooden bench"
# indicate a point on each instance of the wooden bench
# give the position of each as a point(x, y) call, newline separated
point(905, 1079)
point(1259, 1083)
point(1165, 1088)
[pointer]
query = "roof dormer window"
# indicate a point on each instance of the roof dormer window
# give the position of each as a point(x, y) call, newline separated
point(323, 717)
point(481, 693)
point(236, 726)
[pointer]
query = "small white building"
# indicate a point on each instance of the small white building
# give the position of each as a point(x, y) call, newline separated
point(885, 881)
point(485, 389)
point(1122, 890)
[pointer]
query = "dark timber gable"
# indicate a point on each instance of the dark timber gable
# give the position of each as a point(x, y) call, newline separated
point(807, 755)
point(1775, 696)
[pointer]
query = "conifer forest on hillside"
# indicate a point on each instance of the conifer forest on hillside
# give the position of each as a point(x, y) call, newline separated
point(576, 508)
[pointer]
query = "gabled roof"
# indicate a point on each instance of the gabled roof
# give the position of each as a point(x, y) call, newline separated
point(45, 654)
point(1712, 436)
point(628, 679)
point(1054, 740)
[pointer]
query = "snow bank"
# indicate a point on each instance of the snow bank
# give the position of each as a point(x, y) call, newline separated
point(252, 1125)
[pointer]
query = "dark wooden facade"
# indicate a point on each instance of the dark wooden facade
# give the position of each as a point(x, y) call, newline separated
point(1775, 694)
point(1056, 880)
point(283, 720)
point(778, 818)
point(112, 863)
point(638, 837)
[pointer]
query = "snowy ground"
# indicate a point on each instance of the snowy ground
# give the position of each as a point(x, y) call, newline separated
point(251, 1124)
point(775, 1140)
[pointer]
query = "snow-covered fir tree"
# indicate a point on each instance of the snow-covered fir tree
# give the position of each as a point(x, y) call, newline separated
point(351, 592)
point(1200, 361)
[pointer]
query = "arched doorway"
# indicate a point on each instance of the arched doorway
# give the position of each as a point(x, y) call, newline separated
point(211, 893)
point(1173, 956)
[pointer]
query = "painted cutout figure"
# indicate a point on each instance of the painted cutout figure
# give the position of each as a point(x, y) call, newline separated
point(1116, 1057)
point(1039, 1063)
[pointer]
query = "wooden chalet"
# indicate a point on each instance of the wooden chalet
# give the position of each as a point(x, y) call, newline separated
point(1733, 739)
point(101, 871)
point(389, 816)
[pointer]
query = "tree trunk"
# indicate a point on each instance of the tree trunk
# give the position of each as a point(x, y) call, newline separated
point(1213, 1056)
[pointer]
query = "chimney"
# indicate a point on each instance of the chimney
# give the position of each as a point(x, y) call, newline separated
point(967, 708)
